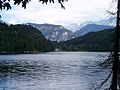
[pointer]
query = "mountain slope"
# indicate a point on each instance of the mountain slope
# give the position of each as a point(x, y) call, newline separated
point(94, 41)
point(54, 32)
point(22, 39)
point(90, 28)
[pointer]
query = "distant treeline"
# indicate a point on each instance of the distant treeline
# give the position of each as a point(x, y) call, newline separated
point(22, 39)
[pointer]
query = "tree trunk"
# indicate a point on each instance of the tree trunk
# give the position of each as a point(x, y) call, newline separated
point(116, 51)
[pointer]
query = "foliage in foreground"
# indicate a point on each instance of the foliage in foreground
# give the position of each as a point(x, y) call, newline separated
point(6, 4)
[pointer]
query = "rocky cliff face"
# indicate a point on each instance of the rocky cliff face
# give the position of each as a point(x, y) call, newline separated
point(54, 32)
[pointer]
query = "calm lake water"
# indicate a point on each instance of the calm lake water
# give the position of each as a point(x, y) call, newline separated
point(52, 71)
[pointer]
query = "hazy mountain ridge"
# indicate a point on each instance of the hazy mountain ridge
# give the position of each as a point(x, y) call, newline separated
point(91, 28)
point(111, 21)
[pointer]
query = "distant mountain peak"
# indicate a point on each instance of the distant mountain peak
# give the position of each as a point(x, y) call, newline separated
point(110, 21)
point(91, 28)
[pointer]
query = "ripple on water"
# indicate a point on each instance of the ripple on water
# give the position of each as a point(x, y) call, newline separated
point(48, 71)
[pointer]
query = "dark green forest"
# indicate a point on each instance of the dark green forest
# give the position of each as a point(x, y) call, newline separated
point(94, 41)
point(27, 39)
point(22, 39)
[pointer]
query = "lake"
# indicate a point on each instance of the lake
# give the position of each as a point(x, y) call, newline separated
point(52, 71)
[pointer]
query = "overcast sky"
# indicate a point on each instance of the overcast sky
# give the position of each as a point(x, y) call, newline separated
point(75, 12)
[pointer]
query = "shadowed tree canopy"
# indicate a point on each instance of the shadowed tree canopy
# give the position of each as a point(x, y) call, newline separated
point(5, 4)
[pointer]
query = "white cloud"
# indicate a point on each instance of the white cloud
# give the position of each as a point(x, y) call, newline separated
point(75, 12)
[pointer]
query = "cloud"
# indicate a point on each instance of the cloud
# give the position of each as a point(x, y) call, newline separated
point(75, 12)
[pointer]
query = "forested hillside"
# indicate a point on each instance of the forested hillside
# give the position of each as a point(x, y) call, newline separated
point(22, 39)
point(94, 41)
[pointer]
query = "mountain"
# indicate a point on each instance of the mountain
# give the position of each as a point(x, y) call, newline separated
point(90, 28)
point(73, 27)
point(22, 39)
point(54, 32)
point(111, 21)
point(94, 41)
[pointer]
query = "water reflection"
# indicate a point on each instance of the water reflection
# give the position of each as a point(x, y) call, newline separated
point(50, 71)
